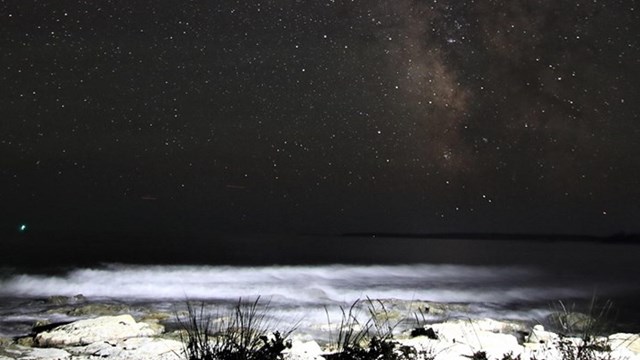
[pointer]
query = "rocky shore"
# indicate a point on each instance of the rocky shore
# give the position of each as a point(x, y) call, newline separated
point(123, 336)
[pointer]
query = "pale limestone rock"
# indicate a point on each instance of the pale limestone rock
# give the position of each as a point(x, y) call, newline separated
point(443, 350)
point(495, 326)
point(131, 349)
point(551, 349)
point(630, 342)
point(543, 351)
point(303, 350)
point(466, 331)
point(496, 345)
point(84, 332)
point(622, 353)
point(464, 338)
point(45, 354)
point(433, 349)
point(453, 351)
point(540, 336)
point(101, 349)
point(150, 348)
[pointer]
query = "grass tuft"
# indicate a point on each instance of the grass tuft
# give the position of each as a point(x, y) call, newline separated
point(371, 339)
point(588, 328)
point(242, 334)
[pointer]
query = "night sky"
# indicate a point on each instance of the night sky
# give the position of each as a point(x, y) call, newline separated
point(323, 116)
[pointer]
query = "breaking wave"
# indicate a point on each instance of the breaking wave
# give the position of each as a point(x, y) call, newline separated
point(296, 284)
point(305, 292)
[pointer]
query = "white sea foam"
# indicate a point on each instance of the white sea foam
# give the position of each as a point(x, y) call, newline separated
point(298, 294)
point(293, 284)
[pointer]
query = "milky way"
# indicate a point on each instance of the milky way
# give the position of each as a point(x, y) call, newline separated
point(320, 116)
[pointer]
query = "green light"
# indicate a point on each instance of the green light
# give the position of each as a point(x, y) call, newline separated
point(22, 228)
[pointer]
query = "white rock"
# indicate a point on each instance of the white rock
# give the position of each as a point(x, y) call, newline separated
point(497, 345)
point(464, 338)
point(622, 353)
point(303, 350)
point(630, 342)
point(542, 351)
point(435, 349)
point(149, 348)
point(443, 350)
point(495, 326)
point(540, 336)
point(24, 352)
point(84, 332)
point(100, 349)
point(466, 331)
point(131, 349)
point(42, 354)
point(452, 351)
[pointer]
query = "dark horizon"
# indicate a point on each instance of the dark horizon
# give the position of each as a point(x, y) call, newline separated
point(295, 117)
point(46, 250)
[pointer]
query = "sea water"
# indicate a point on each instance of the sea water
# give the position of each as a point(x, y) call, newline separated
point(298, 294)
point(524, 288)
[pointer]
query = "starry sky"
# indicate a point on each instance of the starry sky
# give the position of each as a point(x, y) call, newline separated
point(323, 116)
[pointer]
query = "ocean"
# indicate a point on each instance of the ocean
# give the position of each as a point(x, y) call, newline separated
point(521, 281)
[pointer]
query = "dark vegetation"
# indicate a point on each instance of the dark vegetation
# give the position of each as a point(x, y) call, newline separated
point(243, 334)
point(366, 340)
point(589, 328)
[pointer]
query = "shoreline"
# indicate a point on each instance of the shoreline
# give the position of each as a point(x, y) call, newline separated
point(498, 292)
point(454, 336)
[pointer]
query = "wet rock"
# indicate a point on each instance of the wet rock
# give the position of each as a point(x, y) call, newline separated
point(84, 332)
point(66, 300)
point(25, 341)
point(413, 308)
point(99, 310)
point(4, 342)
point(43, 323)
point(405, 314)
point(95, 309)
point(572, 323)
point(457, 327)
point(159, 316)
point(57, 300)
point(154, 324)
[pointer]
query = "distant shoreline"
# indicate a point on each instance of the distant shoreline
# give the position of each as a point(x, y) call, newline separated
point(619, 238)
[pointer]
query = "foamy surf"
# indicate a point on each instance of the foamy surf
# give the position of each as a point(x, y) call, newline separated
point(295, 293)
point(291, 284)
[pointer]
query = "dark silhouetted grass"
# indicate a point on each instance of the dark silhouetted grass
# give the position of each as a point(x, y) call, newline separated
point(244, 333)
point(369, 339)
point(589, 328)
